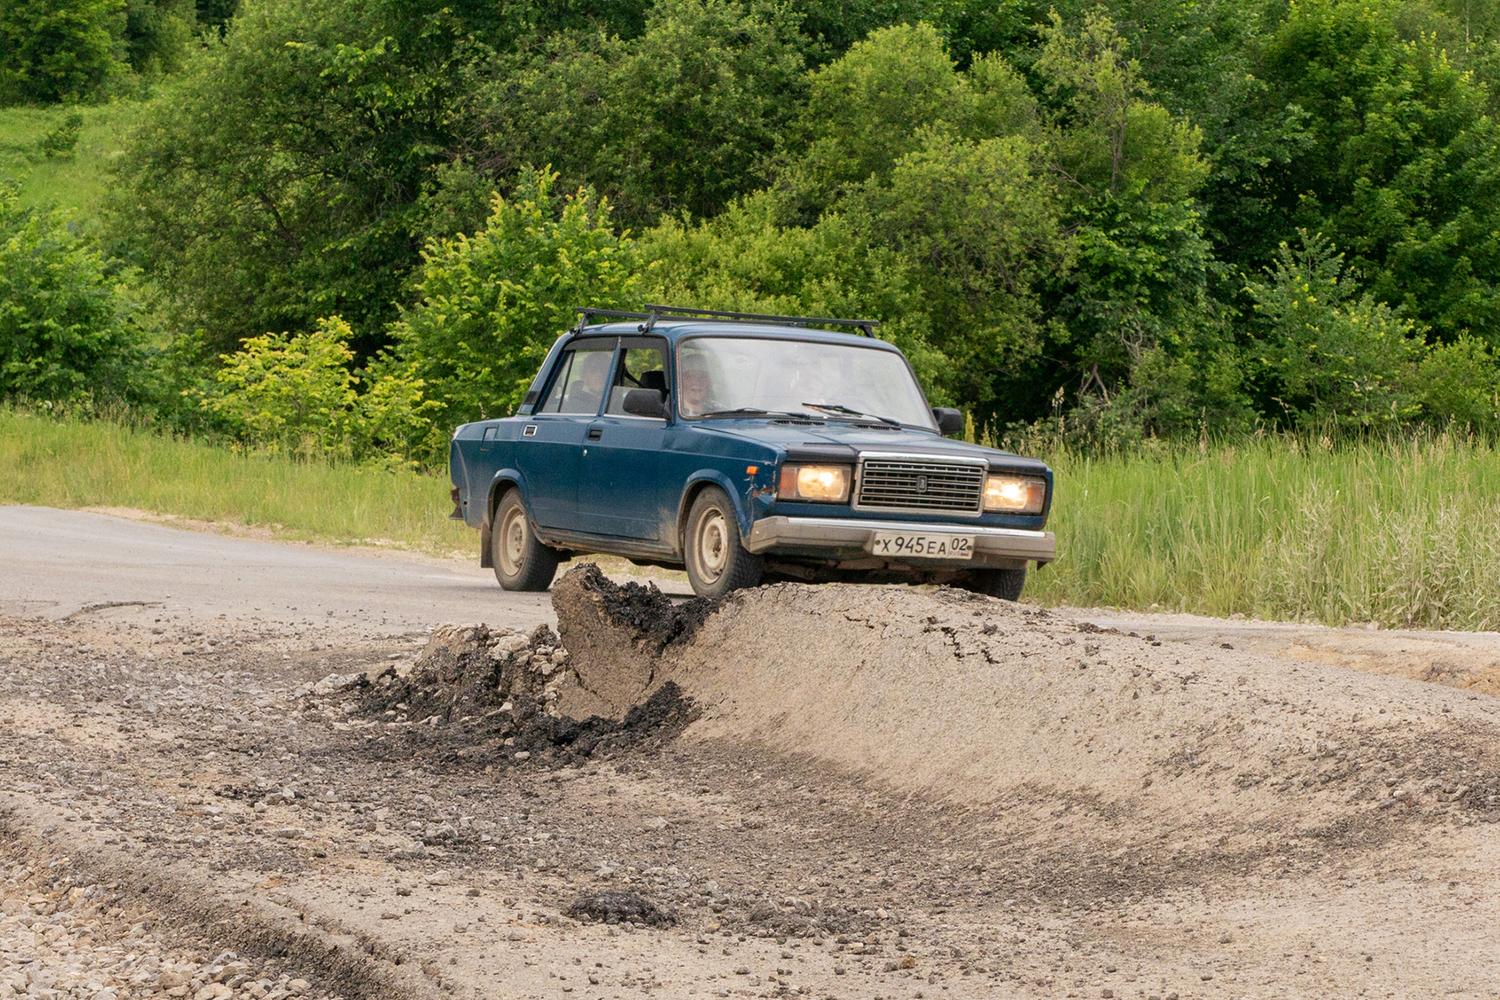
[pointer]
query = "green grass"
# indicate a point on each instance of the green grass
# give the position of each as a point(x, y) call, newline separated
point(1401, 533)
point(75, 463)
point(74, 185)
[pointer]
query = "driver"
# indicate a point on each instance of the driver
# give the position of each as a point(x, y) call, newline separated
point(695, 386)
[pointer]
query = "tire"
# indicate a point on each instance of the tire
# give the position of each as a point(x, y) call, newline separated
point(1005, 584)
point(521, 561)
point(717, 562)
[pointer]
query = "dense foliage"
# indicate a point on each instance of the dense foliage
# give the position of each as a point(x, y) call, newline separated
point(66, 329)
point(1104, 221)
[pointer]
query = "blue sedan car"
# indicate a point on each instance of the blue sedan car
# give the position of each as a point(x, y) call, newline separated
point(744, 447)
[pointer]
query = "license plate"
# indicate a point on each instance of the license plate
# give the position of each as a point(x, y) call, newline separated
point(912, 545)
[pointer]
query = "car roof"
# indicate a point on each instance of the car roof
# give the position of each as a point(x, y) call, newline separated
point(680, 329)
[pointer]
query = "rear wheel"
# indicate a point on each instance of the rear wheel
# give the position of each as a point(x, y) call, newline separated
point(716, 560)
point(521, 561)
point(1003, 583)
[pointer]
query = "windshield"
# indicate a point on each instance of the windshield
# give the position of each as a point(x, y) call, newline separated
point(722, 375)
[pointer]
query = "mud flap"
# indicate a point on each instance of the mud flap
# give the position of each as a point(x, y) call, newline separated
point(486, 556)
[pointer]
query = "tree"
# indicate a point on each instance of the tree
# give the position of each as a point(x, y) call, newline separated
point(680, 119)
point(1136, 326)
point(977, 222)
point(489, 306)
point(66, 331)
point(57, 50)
point(158, 34)
point(886, 96)
point(276, 181)
point(1400, 162)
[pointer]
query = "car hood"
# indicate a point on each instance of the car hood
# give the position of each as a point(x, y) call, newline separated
point(840, 440)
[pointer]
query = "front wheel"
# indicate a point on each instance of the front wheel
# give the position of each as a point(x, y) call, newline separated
point(716, 561)
point(521, 561)
point(1003, 583)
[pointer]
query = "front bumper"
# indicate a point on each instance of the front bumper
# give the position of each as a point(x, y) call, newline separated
point(846, 539)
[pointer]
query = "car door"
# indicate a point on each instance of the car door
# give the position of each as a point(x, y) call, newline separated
point(551, 444)
point(620, 485)
point(620, 474)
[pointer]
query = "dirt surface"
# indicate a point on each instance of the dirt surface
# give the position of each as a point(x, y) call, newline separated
point(828, 792)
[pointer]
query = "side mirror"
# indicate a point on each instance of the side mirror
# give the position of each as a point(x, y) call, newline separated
point(645, 403)
point(949, 420)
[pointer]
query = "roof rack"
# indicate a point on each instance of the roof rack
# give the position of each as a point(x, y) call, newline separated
point(587, 315)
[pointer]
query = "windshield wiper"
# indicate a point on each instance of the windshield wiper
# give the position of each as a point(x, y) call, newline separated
point(840, 408)
point(755, 411)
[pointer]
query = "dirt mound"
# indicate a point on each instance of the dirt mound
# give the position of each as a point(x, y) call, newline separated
point(1068, 731)
point(616, 635)
point(482, 694)
point(612, 906)
point(1005, 707)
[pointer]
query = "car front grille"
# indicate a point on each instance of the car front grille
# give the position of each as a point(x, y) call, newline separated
point(917, 485)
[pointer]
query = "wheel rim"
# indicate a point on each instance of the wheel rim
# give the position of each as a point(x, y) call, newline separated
point(712, 549)
point(513, 533)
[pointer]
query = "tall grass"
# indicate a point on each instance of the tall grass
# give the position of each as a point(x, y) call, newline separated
point(70, 462)
point(1401, 532)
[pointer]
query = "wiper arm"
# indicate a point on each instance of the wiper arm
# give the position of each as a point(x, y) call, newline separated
point(755, 411)
point(840, 408)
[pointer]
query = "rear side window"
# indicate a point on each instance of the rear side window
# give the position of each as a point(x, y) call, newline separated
point(582, 376)
point(643, 365)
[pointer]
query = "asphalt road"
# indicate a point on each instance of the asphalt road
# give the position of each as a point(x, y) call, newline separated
point(57, 563)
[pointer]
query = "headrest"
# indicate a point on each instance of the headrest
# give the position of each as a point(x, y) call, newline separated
point(654, 379)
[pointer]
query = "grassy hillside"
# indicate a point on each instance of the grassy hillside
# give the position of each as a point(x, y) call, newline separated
point(73, 184)
point(1402, 534)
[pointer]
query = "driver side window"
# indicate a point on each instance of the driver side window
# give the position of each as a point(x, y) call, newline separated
point(643, 365)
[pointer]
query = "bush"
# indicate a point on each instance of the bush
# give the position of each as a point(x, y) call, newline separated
point(59, 143)
point(66, 330)
point(394, 418)
point(1459, 383)
point(57, 50)
point(1335, 358)
point(488, 306)
point(291, 392)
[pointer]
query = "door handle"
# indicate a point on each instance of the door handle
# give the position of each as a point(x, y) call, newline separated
point(595, 433)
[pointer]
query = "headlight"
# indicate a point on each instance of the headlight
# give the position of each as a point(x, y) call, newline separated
point(1015, 494)
point(818, 483)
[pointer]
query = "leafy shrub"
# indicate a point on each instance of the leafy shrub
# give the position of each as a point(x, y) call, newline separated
point(488, 306)
point(66, 330)
point(291, 392)
point(59, 143)
point(393, 417)
point(1335, 357)
point(57, 50)
point(1459, 383)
